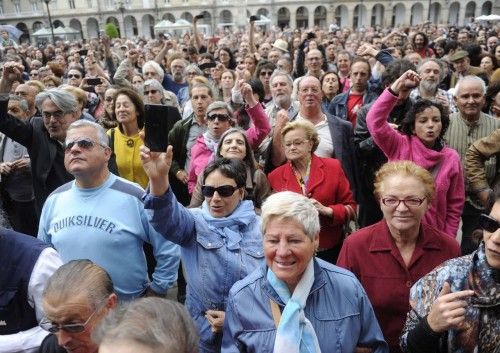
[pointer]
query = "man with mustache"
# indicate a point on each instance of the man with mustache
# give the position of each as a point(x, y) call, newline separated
point(431, 73)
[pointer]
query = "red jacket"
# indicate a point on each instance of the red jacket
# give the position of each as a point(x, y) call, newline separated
point(373, 257)
point(327, 184)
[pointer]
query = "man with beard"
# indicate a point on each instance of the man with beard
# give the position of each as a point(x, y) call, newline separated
point(467, 126)
point(281, 90)
point(177, 79)
point(431, 73)
point(420, 45)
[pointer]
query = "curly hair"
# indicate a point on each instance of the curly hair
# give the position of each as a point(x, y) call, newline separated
point(407, 126)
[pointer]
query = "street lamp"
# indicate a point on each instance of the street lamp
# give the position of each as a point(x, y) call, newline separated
point(50, 21)
point(121, 7)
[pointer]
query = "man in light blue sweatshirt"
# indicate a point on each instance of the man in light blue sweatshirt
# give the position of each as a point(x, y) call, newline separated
point(100, 216)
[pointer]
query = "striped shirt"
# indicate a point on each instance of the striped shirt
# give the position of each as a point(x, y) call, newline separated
point(461, 134)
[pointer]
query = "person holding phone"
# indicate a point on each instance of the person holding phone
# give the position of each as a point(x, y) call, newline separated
point(220, 242)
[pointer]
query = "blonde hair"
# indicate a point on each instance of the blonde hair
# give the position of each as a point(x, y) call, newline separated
point(307, 127)
point(405, 168)
point(78, 93)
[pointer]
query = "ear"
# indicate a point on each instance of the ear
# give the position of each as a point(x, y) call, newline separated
point(112, 301)
point(316, 241)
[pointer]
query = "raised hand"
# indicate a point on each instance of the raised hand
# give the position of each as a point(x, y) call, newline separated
point(448, 310)
point(157, 165)
point(408, 80)
point(247, 93)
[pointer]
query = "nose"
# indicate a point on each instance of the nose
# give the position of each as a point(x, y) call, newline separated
point(402, 207)
point(216, 196)
point(63, 338)
point(282, 249)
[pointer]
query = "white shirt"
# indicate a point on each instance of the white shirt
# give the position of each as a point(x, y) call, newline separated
point(29, 341)
point(325, 147)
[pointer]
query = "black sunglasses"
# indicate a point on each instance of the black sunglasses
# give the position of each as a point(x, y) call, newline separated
point(488, 223)
point(74, 76)
point(223, 191)
point(84, 143)
point(220, 117)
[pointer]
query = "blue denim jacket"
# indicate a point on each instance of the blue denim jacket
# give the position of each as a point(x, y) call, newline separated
point(212, 261)
point(337, 307)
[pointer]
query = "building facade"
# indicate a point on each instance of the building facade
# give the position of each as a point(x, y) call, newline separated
point(138, 17)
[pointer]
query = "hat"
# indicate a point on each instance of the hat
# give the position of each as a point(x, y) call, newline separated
point(459, 54)
point(281, 45)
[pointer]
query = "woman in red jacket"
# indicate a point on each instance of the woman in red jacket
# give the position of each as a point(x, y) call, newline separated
point(391, 255)
point(320, 179)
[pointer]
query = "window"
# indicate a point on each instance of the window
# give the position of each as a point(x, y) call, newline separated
point(17, 6)
point(71, 4)
point(1, 7)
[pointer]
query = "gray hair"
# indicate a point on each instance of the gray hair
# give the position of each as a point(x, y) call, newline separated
point(284, 74)
point(220, 105)
point(155, 66)
point(78, 278)
point(64, 100)
point(194, 67)
point(439, 62)
point(169, 328)
point(101, 133)
point(23, 103)
point(469, 78)
point(293, 206)
point(154, 83)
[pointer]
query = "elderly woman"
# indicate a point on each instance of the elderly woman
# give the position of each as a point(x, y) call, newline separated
point(297, 303)
point(220, 241)
point(395, 252)
point(320, 179)
point(219, 119)
point(455, 307)
point(421, 141)
point(155, 94)
point(169, 328)
point(234, 144)
point(124, 140)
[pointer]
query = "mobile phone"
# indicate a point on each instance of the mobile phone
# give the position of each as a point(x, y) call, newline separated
point(94, 81)
point(253, 18)
point(158, 121)
point(83, 52)
point(199, 17)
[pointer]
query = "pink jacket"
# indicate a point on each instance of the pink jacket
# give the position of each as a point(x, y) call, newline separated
point(446, 208)
point(201, 155)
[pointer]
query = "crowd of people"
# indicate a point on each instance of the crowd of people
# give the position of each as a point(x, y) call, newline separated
point(323, 190)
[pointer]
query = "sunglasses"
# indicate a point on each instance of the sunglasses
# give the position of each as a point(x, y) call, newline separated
point(488, 223)
point(266, 73)
point(84, 143)
point(58, 114)
point(153, 91)
point(74, 76)
point(223, 191)
point(70, 328)
point(220, 117)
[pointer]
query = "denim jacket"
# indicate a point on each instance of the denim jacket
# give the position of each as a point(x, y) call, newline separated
point(337, 307)
point(216, 253)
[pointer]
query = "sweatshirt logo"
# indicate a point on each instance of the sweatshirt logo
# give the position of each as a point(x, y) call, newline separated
point(85, 221)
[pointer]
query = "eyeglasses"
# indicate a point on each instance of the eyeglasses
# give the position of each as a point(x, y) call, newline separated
point(265, 73)
point(58, 114)
point(296, 143)
point(220, 117)
point(191, 73)
point(74, 76)
point(153, 91)
point(70, 328)
point(83, 143)
point(410, 203)
point(223, 191)
point(488, 223)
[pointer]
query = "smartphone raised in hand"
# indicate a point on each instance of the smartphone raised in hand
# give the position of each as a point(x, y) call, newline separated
point(158, 121)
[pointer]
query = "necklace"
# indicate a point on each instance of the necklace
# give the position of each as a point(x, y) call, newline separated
point(130, 143)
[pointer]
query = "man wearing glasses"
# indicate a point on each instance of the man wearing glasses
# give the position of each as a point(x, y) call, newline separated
point(42, 136)
point(101, 217)
point(26, 264)
point(73, 311)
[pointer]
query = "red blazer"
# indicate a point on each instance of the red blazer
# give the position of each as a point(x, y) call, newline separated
point(327, 184)
point(373, 257)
